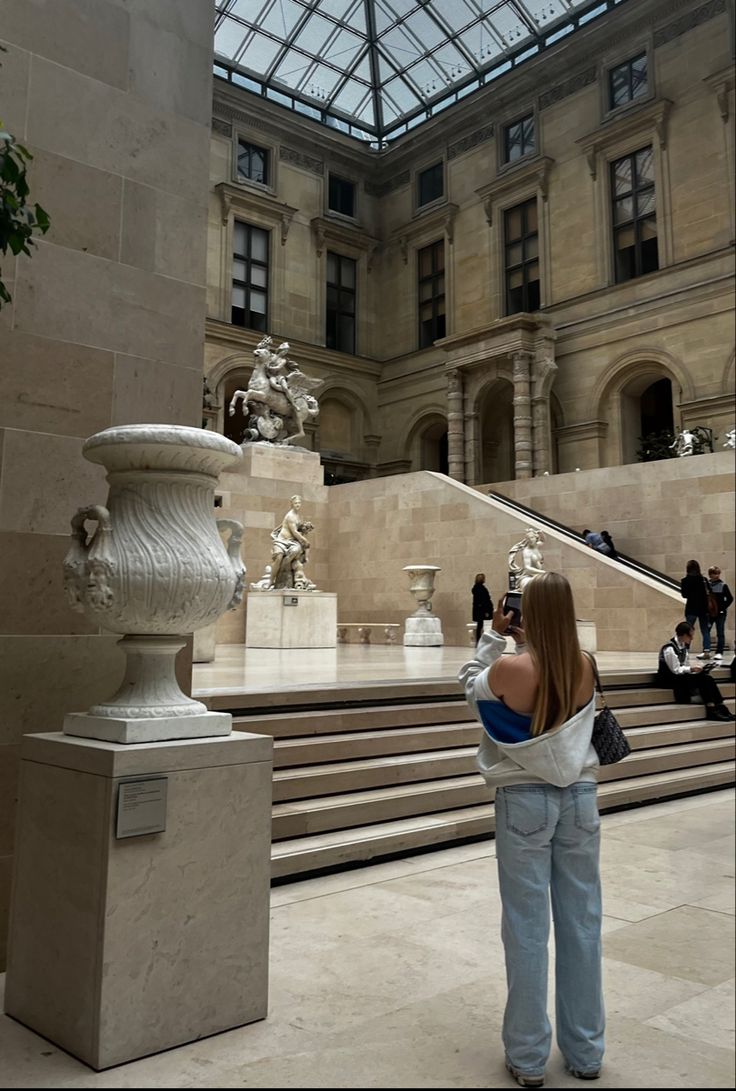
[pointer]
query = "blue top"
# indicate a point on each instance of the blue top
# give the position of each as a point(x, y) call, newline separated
point(502, 723)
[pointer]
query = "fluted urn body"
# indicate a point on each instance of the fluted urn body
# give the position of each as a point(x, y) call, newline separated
point(155, 568)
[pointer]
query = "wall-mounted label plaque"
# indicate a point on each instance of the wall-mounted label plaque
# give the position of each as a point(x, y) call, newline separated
point(141, 807)
point(291, 600)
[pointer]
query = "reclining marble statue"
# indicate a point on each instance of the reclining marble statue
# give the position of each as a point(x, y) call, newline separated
point(278, 399)
point(526, 559)
point(289, 551)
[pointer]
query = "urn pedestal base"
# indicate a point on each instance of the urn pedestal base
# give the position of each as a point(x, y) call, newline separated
point(423, 632)
point(205, 725)
point(122, 945)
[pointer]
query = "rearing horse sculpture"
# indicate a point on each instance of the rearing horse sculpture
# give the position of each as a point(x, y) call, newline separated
point(277, 399)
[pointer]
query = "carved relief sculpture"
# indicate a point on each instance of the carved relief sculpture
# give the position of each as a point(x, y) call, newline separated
point(278, 398)
point(155, 569)
point(526, 559)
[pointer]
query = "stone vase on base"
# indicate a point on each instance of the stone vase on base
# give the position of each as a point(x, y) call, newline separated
point(155, 569)
point(422, 628)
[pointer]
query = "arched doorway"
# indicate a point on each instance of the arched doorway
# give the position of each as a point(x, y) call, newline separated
point(433, 447)
point(496, 433)
point(647, 414)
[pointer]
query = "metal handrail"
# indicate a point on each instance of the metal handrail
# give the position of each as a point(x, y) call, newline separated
point(622, 558)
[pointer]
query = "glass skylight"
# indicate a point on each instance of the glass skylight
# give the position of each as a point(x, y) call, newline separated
point(378, 67)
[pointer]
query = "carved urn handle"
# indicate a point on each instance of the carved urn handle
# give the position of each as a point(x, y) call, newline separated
point(233, 551)
point(83, 585)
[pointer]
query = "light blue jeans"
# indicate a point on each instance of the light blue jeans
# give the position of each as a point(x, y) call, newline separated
point(548, 841)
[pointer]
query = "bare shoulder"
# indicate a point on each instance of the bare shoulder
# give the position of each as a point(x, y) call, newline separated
point(587, 680)
point(512, 673)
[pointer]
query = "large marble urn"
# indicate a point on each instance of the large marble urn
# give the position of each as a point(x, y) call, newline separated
point(155, 569)
point(423, 629)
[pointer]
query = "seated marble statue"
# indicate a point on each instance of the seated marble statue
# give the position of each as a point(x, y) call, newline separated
point(289, 551)
point(265, 583)
point(526, 559)
point(684, 443)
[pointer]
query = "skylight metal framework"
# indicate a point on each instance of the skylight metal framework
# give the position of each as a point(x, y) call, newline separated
point(376, 68)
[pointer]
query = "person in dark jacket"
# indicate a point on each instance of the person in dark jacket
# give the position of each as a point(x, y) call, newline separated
point(613, 554)
point(482, 604)
point(674, 672)
point(721, 592)
point(694, 589)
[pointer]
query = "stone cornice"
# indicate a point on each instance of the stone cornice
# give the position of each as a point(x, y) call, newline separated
point(516, 178)
point(587, 429)
point(353, 237)
point(442, 218)
point(722, 83)
point(640, 120)
point(507, 336)
point(241, 199)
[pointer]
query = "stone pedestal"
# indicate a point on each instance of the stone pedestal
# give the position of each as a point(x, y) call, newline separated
point(423, 632)
point(124, 947)
point(204, 644)
point(291, 619)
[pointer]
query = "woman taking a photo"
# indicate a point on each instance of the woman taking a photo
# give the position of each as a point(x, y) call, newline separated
point(537, 709)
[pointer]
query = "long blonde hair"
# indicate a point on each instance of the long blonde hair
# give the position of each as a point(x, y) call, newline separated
point(549, 623)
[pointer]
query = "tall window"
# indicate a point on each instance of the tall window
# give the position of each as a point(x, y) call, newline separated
point(252, 163)
point(430, 184)
point(340, 303)
point(518, 139)
point(522, 257)
point(431, 293)
point(634, 215)
point(250, 277)
point(627, 81)
point(341, 196)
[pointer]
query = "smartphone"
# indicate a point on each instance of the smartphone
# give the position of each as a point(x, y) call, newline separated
point(707, 667)
point(512, 604)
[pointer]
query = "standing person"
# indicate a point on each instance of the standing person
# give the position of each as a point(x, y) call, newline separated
point(537, 709)
point(482, 605)
point(612, 551)
point(722, 594)
point(675, 672)
point(694, 589)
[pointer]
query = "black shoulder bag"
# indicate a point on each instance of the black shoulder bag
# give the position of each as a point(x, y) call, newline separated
point(609, 741)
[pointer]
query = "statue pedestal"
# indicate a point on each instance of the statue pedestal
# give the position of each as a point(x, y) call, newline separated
point(423, 632)
point(291, 619)
point(140, 911)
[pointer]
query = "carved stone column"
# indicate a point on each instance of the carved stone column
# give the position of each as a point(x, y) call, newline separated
point(540, 434)
point(522, 414)
point(455, 426)
point(472, 444)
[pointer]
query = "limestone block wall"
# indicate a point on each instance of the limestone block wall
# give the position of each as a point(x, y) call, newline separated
point(663, 513)
point(106, 326)
point(376, 527)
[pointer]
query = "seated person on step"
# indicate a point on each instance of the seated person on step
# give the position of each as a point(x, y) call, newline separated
point(674, 672)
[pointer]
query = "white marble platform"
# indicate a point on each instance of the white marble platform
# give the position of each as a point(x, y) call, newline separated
point(291, 619)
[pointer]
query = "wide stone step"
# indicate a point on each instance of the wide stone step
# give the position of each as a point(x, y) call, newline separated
point(339, 720)
point(640, 715)
point(337, 848)
point(347, 776)
point(301, 818)
point(290, 752)
point(623, 698)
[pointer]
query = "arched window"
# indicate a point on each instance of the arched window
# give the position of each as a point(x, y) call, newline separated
point(647, 415)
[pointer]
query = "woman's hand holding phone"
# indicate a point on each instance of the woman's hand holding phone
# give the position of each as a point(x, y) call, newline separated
point(503, 623)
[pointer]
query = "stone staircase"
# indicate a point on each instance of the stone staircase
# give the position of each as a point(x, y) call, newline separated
point(371, 771)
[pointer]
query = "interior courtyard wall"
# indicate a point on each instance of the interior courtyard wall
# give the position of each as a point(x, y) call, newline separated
point(106, 326)
point(376, 527)
point(596, 321)
point(662, 513)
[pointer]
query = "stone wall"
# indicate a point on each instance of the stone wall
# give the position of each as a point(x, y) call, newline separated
point(106, 326)
point(663, 513)
point(376, 527)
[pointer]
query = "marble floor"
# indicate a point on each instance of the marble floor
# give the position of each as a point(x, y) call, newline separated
point(392, 975)
point(267, 669)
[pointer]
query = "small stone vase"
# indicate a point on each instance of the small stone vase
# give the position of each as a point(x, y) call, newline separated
point(421, 585)
point(155, 569)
